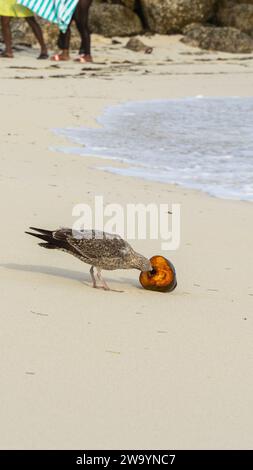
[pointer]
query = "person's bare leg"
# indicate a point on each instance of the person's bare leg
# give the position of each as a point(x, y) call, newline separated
point(39, 36)
point(81, 17)
point(6, 30)
point(81, 51)
point(63, 44)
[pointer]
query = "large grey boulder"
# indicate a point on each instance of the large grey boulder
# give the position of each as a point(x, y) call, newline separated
point(171, 16)
point(237, 15)
point(114, 20)
point(217, 38)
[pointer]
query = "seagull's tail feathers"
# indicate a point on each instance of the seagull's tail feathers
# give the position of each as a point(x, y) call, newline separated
point(53, 239)
point(42, 230)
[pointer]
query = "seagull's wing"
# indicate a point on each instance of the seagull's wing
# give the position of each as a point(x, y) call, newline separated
point(95, 245)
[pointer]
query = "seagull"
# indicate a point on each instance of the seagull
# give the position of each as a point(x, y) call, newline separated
point(101, 250)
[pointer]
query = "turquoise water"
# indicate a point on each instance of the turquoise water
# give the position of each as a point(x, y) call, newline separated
point(200, 143)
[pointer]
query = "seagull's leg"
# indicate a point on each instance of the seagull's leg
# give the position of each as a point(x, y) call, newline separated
point(93, 277)
point(99, 275)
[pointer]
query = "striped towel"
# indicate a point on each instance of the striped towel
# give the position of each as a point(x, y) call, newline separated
point(55, 11)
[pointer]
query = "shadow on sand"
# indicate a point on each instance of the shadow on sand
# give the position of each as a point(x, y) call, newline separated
point(79, 276)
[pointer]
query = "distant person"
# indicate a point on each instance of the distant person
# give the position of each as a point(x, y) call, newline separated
point(80, 16)
point(10, 9)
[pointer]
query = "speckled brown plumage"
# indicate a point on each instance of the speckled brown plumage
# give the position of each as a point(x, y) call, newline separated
point(98, 249)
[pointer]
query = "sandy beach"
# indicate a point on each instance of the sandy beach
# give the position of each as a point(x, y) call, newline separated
point(85, 368)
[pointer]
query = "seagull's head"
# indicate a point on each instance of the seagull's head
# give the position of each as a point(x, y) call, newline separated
point(161, 277)
point(141, 263)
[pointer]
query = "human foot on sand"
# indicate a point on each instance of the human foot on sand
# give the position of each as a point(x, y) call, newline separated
point(84, 58)
point(60, 57)
point(6, 55)
point(43, 56)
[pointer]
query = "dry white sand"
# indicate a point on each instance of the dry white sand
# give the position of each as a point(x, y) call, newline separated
point(84, 368)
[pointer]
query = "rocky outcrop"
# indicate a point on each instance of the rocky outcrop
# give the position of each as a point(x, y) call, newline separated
point(114, 20)
point(218, 38)
point(171, 16)
point(237, 15)
point(233, 20)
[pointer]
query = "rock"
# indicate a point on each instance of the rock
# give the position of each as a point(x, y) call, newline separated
point(114, 20)
point(171, 16)
point(22, 34)
point(236, 15)
point(135, 44)
point(217, 38)
point(126, 3)
point(129, 3)
point(250, 2)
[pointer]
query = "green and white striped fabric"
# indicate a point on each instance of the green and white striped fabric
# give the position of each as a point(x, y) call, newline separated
point(55, 11)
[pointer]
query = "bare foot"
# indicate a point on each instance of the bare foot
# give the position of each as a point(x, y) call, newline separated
point(43, 56)
point(82, 59)
point(6, 55)
point(59, 57)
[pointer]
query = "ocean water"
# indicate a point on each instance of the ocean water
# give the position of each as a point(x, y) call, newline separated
point(200, 143)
